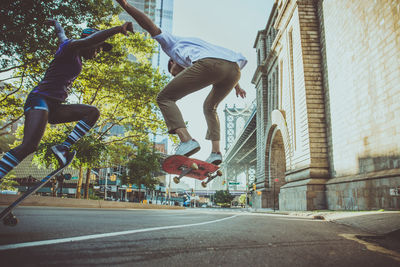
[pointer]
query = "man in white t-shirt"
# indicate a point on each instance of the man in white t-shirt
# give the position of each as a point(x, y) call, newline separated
point(195, 64)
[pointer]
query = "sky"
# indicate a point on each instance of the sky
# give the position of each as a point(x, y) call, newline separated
point(229, 23)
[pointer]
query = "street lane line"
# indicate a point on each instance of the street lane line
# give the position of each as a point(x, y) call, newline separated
point(372, 247)
point(87, 237)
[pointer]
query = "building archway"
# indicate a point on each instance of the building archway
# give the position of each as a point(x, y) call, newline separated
point(277, 153)
point(275, 169)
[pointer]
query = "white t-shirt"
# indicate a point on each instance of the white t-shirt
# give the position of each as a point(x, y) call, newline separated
point(186, 50)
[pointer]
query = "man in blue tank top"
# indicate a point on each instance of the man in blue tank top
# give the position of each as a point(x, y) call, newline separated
point(45, 104)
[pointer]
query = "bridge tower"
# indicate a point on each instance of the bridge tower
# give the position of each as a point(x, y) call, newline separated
point(231, 116)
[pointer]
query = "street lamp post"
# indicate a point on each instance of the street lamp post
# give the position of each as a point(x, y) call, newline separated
point(105, 187)
point(247, 184)
point(275, 180)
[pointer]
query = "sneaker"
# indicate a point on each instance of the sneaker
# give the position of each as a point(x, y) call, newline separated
point(61, 153)
point(188, 148)
point(215, 158)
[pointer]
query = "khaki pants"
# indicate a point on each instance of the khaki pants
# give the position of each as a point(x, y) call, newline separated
point(222, 74)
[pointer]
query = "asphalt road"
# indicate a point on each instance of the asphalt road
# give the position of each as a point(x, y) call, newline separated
point(193, 237)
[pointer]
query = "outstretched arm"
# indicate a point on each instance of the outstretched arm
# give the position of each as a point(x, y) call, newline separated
point(59, 30)
point(100, 36)
point(142, 19)
point(239, 91)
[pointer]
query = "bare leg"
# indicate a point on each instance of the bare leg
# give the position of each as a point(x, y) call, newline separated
point(35, 124)
point(74, 112)
point(215, 146)
point(85, 114)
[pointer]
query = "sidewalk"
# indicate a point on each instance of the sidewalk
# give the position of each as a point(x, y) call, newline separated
point(6, 200)
point(374, 222)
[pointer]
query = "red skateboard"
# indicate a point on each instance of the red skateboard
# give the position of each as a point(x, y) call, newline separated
point(195, 168)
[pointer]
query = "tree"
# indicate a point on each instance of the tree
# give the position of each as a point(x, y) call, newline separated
point(25, 39)
point(5, 142)
point(7, 183)
point(141, 167)
point(11, 110)
point(223, 198)
point(242, 199)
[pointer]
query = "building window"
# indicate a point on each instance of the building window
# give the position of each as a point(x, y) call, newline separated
point(266, 50)
point(280, 84)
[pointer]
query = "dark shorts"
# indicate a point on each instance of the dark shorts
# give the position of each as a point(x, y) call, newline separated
point(37, 101)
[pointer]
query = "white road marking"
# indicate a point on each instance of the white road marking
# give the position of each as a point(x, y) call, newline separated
point(87, 237)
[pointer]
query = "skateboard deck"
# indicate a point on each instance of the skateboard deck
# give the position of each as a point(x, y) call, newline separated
point(7, 216)
point(190, 167)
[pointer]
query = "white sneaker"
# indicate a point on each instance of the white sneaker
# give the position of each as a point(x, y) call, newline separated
point(215, 158)
point(188, 148)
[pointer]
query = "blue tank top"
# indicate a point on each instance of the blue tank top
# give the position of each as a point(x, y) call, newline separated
point(63, 70)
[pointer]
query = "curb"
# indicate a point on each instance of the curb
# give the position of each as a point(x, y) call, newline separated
point(6, 200)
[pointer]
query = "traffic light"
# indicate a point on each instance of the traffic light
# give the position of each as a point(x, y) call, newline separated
point(254, 187)
point(223, 182)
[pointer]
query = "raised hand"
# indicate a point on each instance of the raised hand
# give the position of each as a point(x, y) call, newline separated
point(122, 2)
point(240, 92)
point(127, 27)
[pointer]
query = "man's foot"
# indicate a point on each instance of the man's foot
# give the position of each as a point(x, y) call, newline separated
point(61, 153)
point(188, 148)
point(215, 158)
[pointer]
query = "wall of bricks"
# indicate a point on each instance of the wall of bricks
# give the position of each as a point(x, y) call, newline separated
point(339, 95)
point(361, 56)
point(362, 81)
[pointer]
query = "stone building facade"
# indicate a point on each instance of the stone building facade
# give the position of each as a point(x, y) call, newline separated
point(328, 110)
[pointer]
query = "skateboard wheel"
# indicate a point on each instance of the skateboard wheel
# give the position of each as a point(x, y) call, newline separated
point(219, 173)
point(194, 166)
point(10, 220)
point(203, 184)
point(176, 179)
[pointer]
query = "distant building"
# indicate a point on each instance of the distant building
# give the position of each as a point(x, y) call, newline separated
point(162, 146)
point(159, 11)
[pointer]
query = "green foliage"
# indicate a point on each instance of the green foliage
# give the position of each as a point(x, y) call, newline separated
point(242, 199)
point(53, 136)
point(11, 108)
point(119, 154)
point(7, 183)
point(24, 37)
point(5, 142)
point(223, 197)
point(142, 167)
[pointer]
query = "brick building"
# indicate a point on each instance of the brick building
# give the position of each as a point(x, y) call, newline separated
point(328, 110)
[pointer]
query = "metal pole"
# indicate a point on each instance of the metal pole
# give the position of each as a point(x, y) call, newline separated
point(161, 17)
point(274, 195)
point(169, 190)
point(247, 184)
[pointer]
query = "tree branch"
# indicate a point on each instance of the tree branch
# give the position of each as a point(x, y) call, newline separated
point(109, 128)
point(9, 124)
